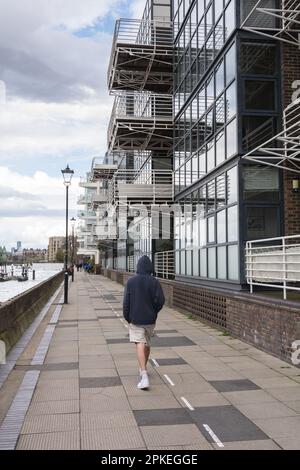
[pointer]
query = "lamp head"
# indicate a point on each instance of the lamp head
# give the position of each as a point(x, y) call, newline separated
point(67, 175)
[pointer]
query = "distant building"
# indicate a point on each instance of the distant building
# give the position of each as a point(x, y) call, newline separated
point(19, 246)
point(32, 255)
point(55, 244)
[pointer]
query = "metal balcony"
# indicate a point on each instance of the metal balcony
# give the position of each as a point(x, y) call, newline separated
point(84, 199)
point(87, 183)
point(141, 56)
point(151, 186)
point(101, 170)
point(84, 215)
point(282, 23)
point(141, 121)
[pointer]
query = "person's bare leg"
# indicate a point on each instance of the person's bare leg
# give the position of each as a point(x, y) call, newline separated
point(142, 355)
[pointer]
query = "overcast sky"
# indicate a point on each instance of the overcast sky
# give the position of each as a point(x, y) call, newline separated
point(53, 63)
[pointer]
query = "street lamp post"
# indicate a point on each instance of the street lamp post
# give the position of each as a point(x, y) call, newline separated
point(73, 221)
point(67, 175)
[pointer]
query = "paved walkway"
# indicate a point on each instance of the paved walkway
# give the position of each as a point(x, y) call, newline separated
point(74, 386)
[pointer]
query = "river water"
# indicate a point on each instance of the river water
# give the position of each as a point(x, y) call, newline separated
point(43, 271)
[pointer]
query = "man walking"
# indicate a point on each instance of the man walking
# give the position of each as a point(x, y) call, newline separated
point(143, 299)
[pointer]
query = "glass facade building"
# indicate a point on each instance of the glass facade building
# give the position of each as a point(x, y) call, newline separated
point(195, 93)
point(226, 102)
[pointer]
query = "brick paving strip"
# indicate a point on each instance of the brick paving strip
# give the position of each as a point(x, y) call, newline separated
point(208, 391)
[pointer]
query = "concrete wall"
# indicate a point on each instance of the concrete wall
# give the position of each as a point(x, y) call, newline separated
point(269, 324)
point(17, 314)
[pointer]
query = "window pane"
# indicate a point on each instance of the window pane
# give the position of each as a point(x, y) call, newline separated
point(221, 191)
point(232, 185)
point(232, 222)
point(256, 130)
point(221, 227)
point(231, 133)
point(233, 263)
point(218, 8)
point(258, 19)
point(202, 232)
point(203, 263)
point(220, 148)
point(258, 58)
point(222, 262)
point(229, 19)
point(262, 222)
point(211, 229)
point(212, 263)
point(230, 61)
point(231, 107)
point(210, 156)
point(260, 94)
point(261, 184)
point(195, 262)
point(182, 262)
point(189, 263)
point(219, 78)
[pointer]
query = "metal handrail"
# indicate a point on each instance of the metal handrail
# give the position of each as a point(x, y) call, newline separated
point(278, 270)
point(156, 179)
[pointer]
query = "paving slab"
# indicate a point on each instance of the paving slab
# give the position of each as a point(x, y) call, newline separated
point(50, 441)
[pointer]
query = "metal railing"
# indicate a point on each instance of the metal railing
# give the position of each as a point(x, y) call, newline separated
point(274, 262)
point(84, 199)
point(141, 108)
point(143, 32)
point(282, 23)
point(164, 262)
point(86, 214)
point(141, 185)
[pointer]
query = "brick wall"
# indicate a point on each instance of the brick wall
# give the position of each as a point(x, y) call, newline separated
point(269, 324)
point(290, 73)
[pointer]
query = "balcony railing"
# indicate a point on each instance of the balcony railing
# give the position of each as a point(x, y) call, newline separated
point(136, 115)
point(143, 32)
point(84, 199)
point(274, 262)
point(144, 185)
point(86, 214)
point(143, 41)
point(280, 22)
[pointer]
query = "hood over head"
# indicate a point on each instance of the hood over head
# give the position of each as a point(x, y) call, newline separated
point(144, 265)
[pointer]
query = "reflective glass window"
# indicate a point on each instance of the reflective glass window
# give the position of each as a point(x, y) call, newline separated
point(232, 185)
point(233, 263)
point(222, 262)
point(221, 227)
point(230, 63)
point(232, 222)
point(231, 105)
point(231, 138)
point(211, 252)
point(260, 95)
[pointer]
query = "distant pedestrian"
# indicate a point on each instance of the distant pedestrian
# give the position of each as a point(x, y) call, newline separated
point(143, 299)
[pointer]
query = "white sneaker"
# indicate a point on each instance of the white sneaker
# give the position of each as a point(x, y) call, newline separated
point(144, 383)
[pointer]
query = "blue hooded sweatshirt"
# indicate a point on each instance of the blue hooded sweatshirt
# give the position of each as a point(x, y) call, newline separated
point(143, 295)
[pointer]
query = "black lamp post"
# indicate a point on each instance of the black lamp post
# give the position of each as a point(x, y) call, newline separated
point(73, 221)
point(67, 175)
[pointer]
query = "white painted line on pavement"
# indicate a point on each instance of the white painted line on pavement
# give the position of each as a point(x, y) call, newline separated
point(187, 403)
point(169, 380)
point(213, 435)
point(155, 362)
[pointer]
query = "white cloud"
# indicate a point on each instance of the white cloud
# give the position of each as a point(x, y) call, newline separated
point(34, 219)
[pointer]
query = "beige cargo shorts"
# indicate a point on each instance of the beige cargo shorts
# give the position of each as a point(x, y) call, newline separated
point(141, 333)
